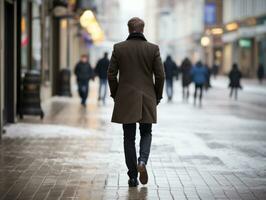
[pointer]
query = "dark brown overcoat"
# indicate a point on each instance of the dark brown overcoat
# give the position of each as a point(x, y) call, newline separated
point(139, 87)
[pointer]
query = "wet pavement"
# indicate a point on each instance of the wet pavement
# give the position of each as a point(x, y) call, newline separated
point(214, 152)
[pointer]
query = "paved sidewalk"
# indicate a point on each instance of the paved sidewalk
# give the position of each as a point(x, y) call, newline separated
point(214, 152)
point(249, 85)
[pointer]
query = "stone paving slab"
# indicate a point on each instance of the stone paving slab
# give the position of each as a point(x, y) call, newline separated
point(213, 153)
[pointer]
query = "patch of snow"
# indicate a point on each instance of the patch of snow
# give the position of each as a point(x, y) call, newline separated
point(24, 130)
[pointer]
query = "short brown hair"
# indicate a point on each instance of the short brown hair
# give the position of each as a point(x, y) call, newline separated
point(135, 24)
point(84, 56)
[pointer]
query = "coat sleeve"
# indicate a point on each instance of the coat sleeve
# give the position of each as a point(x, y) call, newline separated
point(112, 74)
point(76, 70)
point(97, 68)
point(240, 75)
point(176, 70)
point(90, 72)
point(158, 70)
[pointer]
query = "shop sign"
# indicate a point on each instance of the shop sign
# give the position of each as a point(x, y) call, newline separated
point(249, 22)
point(245, 43)
point(210, 14)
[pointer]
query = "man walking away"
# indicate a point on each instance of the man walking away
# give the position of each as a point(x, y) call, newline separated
point(199, 74)
point(136, 94)
point(234, 78)
point(84, 73)
point(101, 71)
point(171, 70)
point(186, 77)
point(260, 73)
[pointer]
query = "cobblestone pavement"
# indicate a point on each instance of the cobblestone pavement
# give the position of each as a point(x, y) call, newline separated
point(214, 152)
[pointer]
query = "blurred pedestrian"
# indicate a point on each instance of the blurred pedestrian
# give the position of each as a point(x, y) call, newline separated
point(207, 84)
point(234, 78)
point(84, 73)
point(171, 70)
point(199, 74)
point(260, 73)
point(215, 70)
point(101, 71)
point(186, 77)
point(136, 95)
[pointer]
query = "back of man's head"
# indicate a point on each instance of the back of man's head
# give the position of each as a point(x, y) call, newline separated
point(135, 25)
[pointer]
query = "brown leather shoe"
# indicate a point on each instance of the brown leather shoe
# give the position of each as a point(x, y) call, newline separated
point(143, 177)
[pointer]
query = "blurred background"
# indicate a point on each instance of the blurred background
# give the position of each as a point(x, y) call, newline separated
point(48, 37)
point(208, 152)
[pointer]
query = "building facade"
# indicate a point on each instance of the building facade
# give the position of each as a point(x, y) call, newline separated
point(36, 36)
point(179, 28)
point(108, 14)
point(245, 35)
point(213, 30)
point(150, 18)
point(8, 62)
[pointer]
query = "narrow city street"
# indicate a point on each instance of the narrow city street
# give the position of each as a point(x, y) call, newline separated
point(56, 138)
point(217, 151)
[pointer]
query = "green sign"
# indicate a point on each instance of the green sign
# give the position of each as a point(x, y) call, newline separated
point(245, 43)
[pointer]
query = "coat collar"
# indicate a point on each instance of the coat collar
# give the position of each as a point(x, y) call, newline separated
point(136, 36)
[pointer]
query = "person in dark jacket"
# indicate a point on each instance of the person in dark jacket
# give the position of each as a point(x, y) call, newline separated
point(101, 70)
point(171, 70)
point(198, 74)
point(260, 73)
point(234, 78)
point(84, 73)
point(186, 77)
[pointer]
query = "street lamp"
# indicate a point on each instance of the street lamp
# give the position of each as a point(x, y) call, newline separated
point(232, 26)
point(89, 22)
point(205, 41)
point(86, 18)
point(217, 31)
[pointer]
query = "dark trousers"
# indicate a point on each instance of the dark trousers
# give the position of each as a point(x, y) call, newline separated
point(169, 88)
point(83, 89)
point(102, 89)
point(200, 88)
point(233, 90)
point(185, 93)
point(130, 148)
